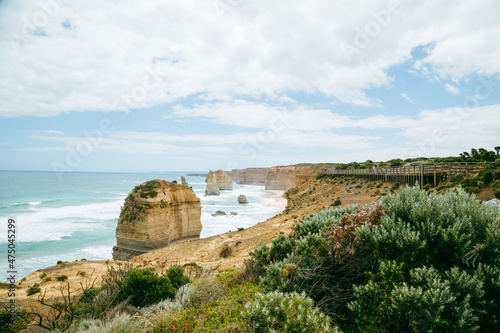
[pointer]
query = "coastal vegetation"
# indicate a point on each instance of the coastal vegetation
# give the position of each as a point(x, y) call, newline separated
point(413, 261)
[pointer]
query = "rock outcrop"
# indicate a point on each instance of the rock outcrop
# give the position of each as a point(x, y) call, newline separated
point(219, 213)
point(224, 181)
point(242, 199)
point(283, 178)
point(155, 215)
point(250, 176)
point(212, 186)
point(184, 182)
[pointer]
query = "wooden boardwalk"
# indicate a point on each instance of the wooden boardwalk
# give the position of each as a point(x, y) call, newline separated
point(423, 173)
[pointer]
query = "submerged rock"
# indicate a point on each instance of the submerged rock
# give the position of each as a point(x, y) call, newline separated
point(155, 215)
point(219, 213)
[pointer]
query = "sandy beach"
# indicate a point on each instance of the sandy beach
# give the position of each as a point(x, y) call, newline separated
point(279, 201)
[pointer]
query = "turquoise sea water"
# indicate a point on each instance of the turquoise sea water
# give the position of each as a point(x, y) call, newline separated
point(76, 218)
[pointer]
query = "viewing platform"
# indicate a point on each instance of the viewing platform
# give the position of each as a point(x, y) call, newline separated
point(423, 173)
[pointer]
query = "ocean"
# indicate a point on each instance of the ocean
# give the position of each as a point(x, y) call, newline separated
point(76, 218)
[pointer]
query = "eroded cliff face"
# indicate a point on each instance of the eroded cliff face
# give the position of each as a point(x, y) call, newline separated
point(212, 186)
point(250, 176)
point(283, 178)
point(155, 215)
point(224, 182)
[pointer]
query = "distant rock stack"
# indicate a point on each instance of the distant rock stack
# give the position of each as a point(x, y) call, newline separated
point(212, 186)
point(224, 181)
point(184, 182)
point(242, 199)
point(155, 215)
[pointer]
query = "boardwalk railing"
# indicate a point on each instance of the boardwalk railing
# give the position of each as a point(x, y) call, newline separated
point(422, 173)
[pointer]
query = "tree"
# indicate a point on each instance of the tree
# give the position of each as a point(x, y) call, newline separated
point(474, 153)
point(497, 149)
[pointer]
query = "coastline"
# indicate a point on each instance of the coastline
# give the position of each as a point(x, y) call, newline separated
point(279, 201)
point(205, 252)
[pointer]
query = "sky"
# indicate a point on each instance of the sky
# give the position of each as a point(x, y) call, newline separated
point(163, 85)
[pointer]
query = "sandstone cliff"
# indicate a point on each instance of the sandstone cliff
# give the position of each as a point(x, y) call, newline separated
point(212, 186)
point(183, 181)
point(156, 214)
point(250, 176)
point(283, 178)
point(224, 181)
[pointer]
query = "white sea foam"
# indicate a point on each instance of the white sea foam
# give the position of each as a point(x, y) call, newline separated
point(49, 230)
point(51, 224)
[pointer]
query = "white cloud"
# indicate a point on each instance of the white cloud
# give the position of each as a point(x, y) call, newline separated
point(295, 118)
point(161, 51)
point(455, 127)
point(408, 98)
point(451, 89)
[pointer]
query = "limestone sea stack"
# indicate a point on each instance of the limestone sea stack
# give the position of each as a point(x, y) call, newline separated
point(155, 215)
point(242, 199)
point(224, 181)
point(184, 182)
point(212, 187)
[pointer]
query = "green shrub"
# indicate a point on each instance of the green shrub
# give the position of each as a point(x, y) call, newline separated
point(145, 287)
point(22, 319)
point(487, 177)
point(457, 178)
point(337, 202)
point(395, 186)
point(223, 314)
point(286, 312)
point(225, 251)
point(497, 193)
point(472, 189)
point(427, 187)
point(431, 263)
point(33, 289)
point(433, 252)
point(177, 277)
point(207, 290)
point(62, 278)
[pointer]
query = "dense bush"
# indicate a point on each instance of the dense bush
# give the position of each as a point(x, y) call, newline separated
point(145, 287)
point(427, 262)
point(221, 314)
point(33, 289)
point(395, 186)
point(225, 251)
point(487, 177)
point(177, 277)
point(285, 312)
point(207, 290)
point(21, 322)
